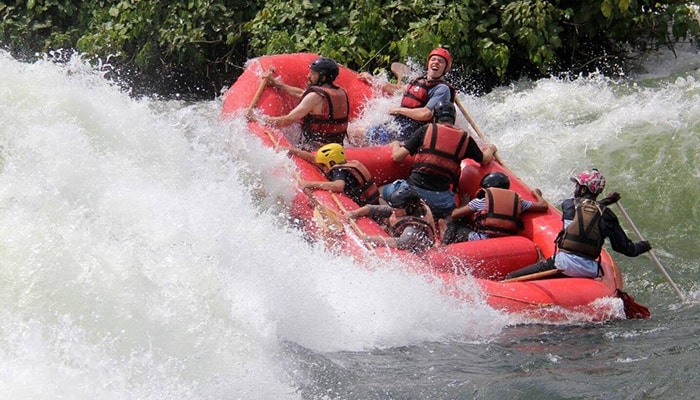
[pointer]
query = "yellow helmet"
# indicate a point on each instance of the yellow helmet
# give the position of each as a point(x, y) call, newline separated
point(332, 152)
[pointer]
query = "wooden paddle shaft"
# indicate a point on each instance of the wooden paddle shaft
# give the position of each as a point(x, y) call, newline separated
point(475, 126)
point(342, 208)
point(536, 275)
point(651, 253)
point(274, 140)
point(258, 93)
point(353, 223)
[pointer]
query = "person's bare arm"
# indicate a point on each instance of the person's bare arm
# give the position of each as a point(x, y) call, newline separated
point(392, 88)
point(306, 106)
point(540, 204)
point(375, 240)
point(359, 212)
point(462, 212)
point(304, 155)
point(423, 114)
point(288, 89)
point(488, 154)
point(333, 186)
point(398, 152)
point(386, 87)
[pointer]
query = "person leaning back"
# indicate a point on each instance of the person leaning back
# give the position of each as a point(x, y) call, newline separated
point(419, 99)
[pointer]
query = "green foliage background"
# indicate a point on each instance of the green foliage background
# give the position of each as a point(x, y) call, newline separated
point(200, 45)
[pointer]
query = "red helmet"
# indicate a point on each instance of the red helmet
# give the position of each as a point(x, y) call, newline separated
point(593, 180)
point(442, 52)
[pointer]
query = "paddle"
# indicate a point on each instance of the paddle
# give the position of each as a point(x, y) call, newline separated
point(475, 127)
point(342, 208)
point(327, 219)
point(536, 275)
point(631, 307)
point(273, 139)
point(651, 253)
point(401, 70)
point(353, 223)
point(260, 90)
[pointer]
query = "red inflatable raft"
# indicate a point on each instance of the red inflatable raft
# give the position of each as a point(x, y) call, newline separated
point(459, 266)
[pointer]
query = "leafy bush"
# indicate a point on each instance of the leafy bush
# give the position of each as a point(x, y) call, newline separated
point(206, 42)
point(501, 39)
point(39, 25)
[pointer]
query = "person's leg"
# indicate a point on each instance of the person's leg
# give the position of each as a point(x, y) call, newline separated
point(540, 266)
point(456, 232)
point(441, 203)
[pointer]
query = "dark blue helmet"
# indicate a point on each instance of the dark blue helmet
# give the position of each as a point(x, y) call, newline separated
point(326, 67)
point(403, 196)
point(495, 180)
point(444, 111)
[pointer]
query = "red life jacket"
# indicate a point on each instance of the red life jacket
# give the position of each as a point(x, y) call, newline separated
point(416, 94)
point(366, 192)
point(501, 215)
point(443, 149)
point(582, 236)
point(331, 125)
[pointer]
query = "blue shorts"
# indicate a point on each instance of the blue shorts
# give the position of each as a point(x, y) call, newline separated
point(380, 134)
point(441, 203)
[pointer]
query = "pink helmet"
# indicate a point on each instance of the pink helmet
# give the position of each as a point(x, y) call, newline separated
point(592, 179)
point(442, 52)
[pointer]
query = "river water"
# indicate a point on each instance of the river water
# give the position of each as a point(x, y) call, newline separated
point(140, 260)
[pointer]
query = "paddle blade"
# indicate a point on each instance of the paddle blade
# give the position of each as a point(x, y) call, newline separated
point(633, 310)
point(328, 223)
point(401, 71)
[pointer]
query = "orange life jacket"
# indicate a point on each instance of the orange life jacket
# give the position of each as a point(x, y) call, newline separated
point(366, 192)
point(331, 125)
point(501, 215)
point(442, 152)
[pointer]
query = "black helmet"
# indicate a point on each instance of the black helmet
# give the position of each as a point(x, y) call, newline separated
point(325, 67)
point(495, 179)
point(444, 111)
point(403, 196)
